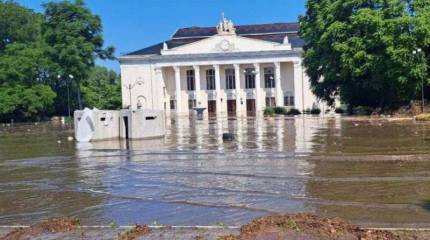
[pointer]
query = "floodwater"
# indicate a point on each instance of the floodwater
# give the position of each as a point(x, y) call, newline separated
point(374, 173)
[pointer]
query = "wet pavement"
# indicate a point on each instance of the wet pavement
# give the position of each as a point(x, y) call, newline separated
point(373, 173)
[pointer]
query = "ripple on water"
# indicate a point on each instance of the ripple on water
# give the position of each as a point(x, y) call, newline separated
point(371, 173)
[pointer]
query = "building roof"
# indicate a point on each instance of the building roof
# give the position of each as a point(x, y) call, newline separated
point(274, 32)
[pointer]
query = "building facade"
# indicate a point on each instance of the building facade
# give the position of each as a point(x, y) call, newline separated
point(228, 70)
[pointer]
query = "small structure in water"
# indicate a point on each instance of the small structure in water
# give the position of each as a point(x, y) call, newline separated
point(97, 125)
point(228, 136)
point(199, 112)
point(141, 124)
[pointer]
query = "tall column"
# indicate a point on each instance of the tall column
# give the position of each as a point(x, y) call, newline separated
point(217, 87)
point(278, 87)
point(178, 92)
point(238, 90)
point(298, 85)
point(258, 104)
point(197, 84)
point(159, 81)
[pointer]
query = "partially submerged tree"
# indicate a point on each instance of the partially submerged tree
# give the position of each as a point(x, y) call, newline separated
point(362, 50)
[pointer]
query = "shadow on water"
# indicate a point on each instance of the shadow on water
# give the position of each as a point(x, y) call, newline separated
point(370, 172)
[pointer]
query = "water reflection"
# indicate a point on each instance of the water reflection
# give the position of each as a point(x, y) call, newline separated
point(329, 166)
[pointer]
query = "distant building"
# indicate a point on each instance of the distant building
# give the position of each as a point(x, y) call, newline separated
point(234, 70)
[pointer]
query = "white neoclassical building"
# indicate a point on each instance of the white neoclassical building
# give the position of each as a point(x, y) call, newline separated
point(229, 70)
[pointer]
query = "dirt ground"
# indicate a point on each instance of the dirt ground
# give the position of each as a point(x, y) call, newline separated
point(277, 227)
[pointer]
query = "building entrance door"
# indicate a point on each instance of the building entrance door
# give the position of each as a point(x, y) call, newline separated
point(250, 107)
point(231, 108)
point(211, 108)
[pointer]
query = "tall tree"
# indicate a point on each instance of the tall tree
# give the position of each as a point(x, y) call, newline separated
point(74, 36)
point(17, 24)
point(24, 92)
point(362, 50)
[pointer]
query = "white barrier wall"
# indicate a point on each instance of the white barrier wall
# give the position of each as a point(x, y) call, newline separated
point(142, 124)
point(106, 124)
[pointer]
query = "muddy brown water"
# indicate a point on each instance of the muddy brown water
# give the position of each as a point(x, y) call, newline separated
point(373, 173)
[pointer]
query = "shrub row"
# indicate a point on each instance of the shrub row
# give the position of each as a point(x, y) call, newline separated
point(280, 111)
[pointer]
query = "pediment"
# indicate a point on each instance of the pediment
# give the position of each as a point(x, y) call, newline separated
point(226, 43)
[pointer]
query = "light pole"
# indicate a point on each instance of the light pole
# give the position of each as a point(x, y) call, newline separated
point(420, 54)
point(68, 91)
point(130, 86)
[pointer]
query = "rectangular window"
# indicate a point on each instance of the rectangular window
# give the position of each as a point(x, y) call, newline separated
point(191, 103)
point(249, 78)
point(191, 80)
point(210, 79)
point(269, 77)
point(164, 91)
point(230, 79)
point(289, 100)
point(172, 105)
point(270, 102)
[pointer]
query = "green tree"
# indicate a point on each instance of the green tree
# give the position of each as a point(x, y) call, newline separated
point(25, 103)
point(361, 50)
point(24, 70)
point(74, 36)
point(17, 24)
point(102, 89)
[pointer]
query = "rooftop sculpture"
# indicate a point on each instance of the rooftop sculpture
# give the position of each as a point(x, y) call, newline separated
point(226, 26)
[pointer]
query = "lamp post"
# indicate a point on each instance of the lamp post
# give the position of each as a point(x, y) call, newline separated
point(70, 76)
point(130, 86)
point(420, 54)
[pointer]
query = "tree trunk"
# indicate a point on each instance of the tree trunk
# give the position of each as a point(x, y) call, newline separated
point(79, 96)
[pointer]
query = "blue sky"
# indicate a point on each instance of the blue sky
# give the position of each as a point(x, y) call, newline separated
point(134, 24)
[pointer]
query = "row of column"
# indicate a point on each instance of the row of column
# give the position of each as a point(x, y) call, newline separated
point(257, 66)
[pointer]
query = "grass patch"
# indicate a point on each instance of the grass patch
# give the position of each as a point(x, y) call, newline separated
point(290, 224)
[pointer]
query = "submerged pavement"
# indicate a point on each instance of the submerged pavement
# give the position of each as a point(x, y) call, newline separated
point(374, 173)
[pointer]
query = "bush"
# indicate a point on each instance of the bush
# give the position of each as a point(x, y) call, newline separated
point(339, 110)
point(315, 111)
point(363, 110)
point(281, 110)
point(269, 112)
point(294, 111)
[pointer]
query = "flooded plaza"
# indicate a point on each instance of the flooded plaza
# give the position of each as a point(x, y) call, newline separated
point(372, 172)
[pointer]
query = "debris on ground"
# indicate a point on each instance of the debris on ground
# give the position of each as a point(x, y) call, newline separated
point(423, 117)
point(51, 226)
point(306, 227)
point(276, 227)
point(134, 233)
